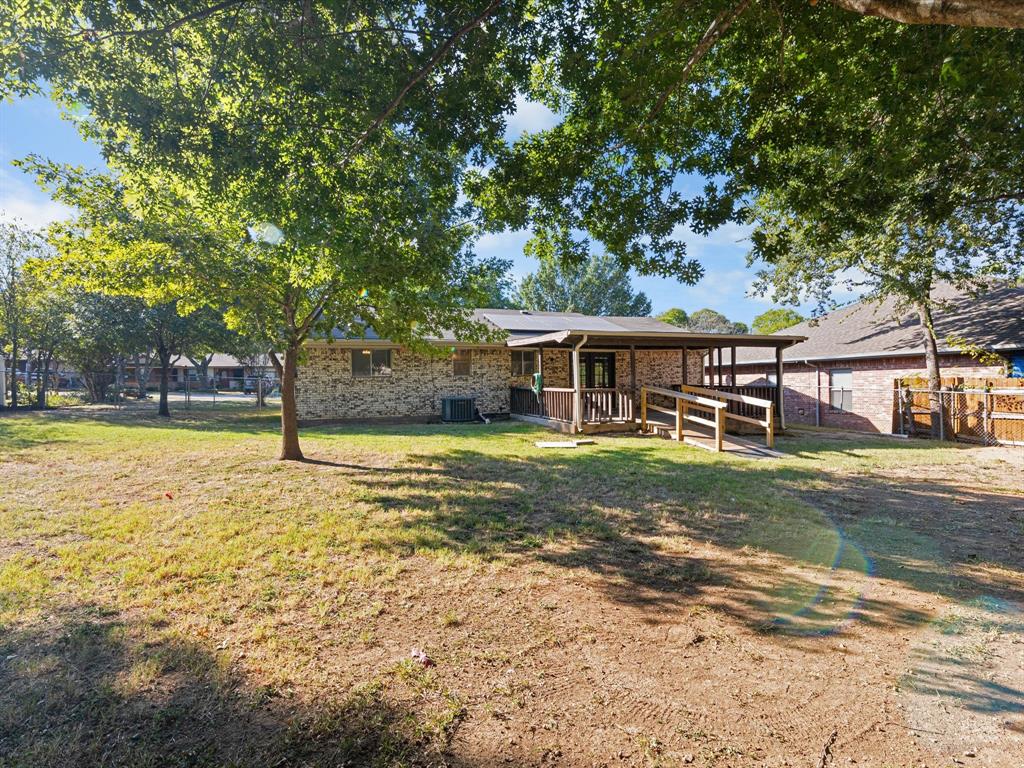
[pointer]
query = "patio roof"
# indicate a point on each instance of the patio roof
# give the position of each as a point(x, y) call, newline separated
point(652, 339)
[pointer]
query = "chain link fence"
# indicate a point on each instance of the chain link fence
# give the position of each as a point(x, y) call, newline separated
point(261, 390)
point(983, 416)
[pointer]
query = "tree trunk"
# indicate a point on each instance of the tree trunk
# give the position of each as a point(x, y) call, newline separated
point(165, 376)
point(143, 370)
point(290, 450)
point(44, 385)
point(1008, 14)
point(39, 404)
point(13, 374)
point(931, 359)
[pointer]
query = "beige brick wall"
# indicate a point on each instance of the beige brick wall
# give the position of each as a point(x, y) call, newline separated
point(327, 391)
point(656, 368)
point(807, 390)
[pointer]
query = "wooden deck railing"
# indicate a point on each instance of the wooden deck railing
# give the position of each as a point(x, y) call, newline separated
point(601, 405)
point(553, 403)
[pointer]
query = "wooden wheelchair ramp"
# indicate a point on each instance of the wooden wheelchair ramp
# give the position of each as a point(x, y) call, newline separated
point(707, 430)
point(704, 437)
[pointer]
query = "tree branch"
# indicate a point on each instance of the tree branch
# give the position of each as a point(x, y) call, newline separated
point(422, 72)
point(711, 36)
point(95, 36)
point(961, 13)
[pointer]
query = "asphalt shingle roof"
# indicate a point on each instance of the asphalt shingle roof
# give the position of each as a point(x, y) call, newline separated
point(994, 321)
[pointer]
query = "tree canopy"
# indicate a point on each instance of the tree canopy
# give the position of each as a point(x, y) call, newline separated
point(347, 130)
point(598, 286)
point(674, 316)
point(776, 319)
point(710, 321)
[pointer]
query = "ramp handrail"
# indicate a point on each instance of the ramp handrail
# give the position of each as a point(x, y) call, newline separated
point(700, 398)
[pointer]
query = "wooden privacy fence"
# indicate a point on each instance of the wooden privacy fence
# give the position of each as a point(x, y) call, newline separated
point(709, 402)
point(988, 411)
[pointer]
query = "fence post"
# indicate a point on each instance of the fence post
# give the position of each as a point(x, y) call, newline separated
point(984, 417)
point(899, 404)
point(942, 420)
point(770, 429)
point(719, 428)
point(679, 419)
point(643, 409)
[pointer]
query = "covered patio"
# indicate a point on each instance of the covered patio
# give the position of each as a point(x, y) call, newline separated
point(639, 374)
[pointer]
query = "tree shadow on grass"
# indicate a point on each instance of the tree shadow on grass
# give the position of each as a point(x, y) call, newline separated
point(635, 518)
point(89, 688)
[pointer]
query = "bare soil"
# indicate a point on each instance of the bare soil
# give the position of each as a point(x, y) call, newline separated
point(179, 599)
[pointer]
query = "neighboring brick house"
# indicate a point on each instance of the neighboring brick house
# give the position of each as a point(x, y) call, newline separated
point(843, 374)
point(372, 378)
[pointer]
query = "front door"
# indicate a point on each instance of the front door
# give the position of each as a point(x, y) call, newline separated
point(597, 370)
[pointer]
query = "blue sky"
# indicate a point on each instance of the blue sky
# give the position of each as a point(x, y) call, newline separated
point(35, 126)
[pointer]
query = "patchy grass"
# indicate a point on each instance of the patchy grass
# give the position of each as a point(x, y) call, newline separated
point(171, 595)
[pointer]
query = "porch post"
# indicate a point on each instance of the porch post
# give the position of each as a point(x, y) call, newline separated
point(577, 405)
point(686, 360)
point(632, 372)
point(732, 365)
point(719, 350)
point(779, 397)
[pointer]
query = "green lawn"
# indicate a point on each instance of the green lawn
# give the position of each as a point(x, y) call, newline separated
point(171, 595)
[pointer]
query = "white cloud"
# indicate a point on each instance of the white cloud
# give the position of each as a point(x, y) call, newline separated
point(730, 235)
point(529, 117)
point(27, 205)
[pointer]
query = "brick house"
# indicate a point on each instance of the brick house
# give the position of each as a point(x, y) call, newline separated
point(613, 357)
point(843, 374)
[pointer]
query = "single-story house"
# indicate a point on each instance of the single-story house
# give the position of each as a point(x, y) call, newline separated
point(592, 369)
point(843, 374)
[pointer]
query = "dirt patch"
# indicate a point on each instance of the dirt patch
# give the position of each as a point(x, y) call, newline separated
point(171, 596)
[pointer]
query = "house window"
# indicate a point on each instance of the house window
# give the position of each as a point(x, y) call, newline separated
point(840, 388)
point(597, 370)
point(371, 362)
point(462, 362)
point(523, 363)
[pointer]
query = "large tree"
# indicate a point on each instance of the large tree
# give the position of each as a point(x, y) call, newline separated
point(855, 146)
point(102, 330)
point(776, 319)
point(709, 321)
point(47, 318)
point(336, 134)
point(597, 286)
point(675, 316)
point(18, 247)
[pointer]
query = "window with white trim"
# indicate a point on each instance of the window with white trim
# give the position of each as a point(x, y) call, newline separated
point(840, 389)
point(369, 363)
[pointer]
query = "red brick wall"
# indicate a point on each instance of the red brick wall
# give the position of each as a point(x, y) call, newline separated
point(807, 389)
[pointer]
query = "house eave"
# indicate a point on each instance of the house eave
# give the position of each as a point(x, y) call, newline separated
point(867, 355)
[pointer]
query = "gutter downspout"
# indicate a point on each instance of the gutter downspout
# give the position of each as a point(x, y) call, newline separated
point(817, 392)
point(577, 395)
